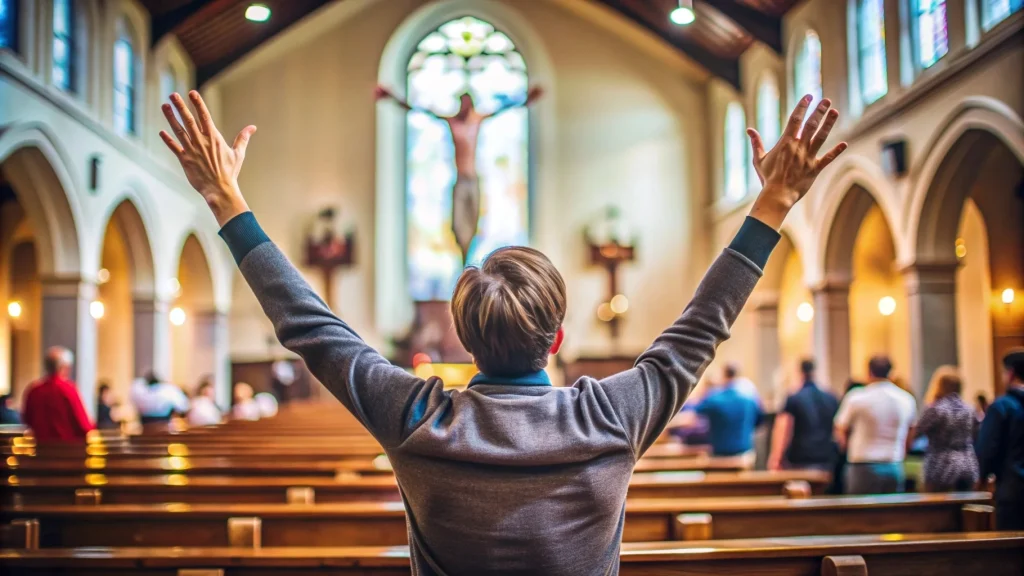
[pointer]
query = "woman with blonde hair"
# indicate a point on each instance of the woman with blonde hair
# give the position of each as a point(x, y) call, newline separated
point(949, 462)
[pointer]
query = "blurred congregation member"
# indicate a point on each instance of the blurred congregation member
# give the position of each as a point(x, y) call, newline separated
point(1000, 445)
point(874, 423)
point(8, 415)
point(52, 407)
point(741, 384)
point(948, 423)
point(981, 406)
point(204, 410)
point(246, 407)
point(157, 401)
point(732, 416)
point(802, 436)
point(104, 408)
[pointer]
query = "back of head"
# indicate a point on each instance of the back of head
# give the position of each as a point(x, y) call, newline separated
point(945, 381)
point(508, 311)
point(152, 379)
point(1013, 361)
point(203, 388)
point(243, 392)
point(58, 360)
point(807, 369)
point(879, 367)
point(731, 371)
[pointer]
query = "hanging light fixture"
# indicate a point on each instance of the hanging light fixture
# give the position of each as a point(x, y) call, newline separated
point(684, 14)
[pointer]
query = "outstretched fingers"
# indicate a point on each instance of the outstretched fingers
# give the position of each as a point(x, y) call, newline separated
point(756, 145)
point(822, 134)
point(191, 127)
point(796, 119)
point(829, 157)
point(176, 127)
point(242, 140)
point(171, 143)
point(811, 127)
point(205, 120)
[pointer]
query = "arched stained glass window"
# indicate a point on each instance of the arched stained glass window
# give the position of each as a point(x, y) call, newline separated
point(9, 24)
point(995, 11)
point(466, 55)
point(807, 72)
point(768, 111)
point(124, 79)
point(871, 50)
point(64, 45)
point(932, 39)
point(735, 152)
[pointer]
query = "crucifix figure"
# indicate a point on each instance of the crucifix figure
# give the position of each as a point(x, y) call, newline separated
point(465, 128)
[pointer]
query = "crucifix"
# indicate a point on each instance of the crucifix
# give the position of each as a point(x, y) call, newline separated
point(610, 247)
point(327, 251)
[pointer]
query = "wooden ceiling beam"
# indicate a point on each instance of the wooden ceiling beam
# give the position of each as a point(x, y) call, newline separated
point(166, 23)
point(764, 27)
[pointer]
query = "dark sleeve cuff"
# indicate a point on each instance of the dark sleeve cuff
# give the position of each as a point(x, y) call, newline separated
point(755, 240)
point(243, 233)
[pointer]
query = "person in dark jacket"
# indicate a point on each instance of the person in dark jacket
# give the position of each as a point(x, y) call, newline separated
point(1000, 445)
point(802, 438)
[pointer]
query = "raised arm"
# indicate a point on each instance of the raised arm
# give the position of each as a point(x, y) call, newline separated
point(382, 93)
point(386, 399)
point(532, 96)
point(646, 397)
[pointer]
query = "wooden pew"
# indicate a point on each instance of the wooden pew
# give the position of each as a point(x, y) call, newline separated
point(991, 554)
point(377, 524)
point(270, 490)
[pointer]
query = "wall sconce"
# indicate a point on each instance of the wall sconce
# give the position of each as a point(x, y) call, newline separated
point(97, 309)
point(684, 14)
point(177, 316)
point(1008, 296)
point(14, 309)
point(887, 305)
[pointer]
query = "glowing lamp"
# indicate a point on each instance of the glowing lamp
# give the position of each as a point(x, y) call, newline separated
point(1008, 296)
point(14, 309)
point(97, 309)
point(619, 304)
point(684, 14)
point(886, 306)
point(805, 312)
point(257, 13)
point(177, 316)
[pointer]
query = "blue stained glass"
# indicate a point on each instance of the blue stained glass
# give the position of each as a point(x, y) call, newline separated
point(932, 39)
point(995, 11)
point(871, 50)
point(463, 55)
point(124, 84)
point(9, 24)
point(63, 45)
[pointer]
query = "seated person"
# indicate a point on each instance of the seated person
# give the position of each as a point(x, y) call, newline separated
point(105, 405)
point(157, 401)
point(8, 415)
point(205, 411)
point(246, 407)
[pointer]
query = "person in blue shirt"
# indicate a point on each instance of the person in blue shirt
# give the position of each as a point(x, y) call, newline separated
point(1000, 445)
point(732, 416)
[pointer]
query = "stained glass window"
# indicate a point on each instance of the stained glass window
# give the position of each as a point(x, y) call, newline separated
point(124, 80)
point(466, 55)
point(9, 24)
point(871, 49)
point(995, 11)
point(932, 41)
point(63, 45)
point(807, 76)
point(735, 152)
point(768, 111)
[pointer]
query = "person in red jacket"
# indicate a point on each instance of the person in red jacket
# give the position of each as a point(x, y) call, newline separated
point(52, 407)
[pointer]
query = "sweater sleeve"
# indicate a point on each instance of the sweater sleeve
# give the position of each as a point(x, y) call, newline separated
point(646, 397)
point(387, 400)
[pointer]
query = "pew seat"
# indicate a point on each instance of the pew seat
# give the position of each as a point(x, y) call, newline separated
point(989, 553)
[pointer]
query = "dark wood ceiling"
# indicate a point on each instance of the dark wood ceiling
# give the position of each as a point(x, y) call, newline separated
point(215, 33)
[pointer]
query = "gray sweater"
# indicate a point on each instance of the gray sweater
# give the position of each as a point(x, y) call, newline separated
point(507, 476)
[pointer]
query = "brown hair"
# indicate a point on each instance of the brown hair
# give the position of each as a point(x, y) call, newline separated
point(508, 311)
point(945, 381)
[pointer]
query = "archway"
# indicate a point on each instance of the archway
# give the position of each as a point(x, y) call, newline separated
point(194, 320)
point(125, 281)
point(861, 307)
point(978, 169)
point(45, 301)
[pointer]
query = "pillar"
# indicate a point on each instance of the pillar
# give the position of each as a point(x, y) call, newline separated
point(832, 333)
point(152, 336)
point(212, 353)
point(766, 315)
point(931, 297)
point(66, 322)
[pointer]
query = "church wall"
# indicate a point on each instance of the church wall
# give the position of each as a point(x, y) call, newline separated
point(613, 128)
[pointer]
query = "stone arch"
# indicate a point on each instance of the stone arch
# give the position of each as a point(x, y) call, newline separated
point(393, 307)
point(125, 214)
point(38, 170)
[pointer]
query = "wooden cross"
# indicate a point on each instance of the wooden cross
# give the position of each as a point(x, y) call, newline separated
point(610, 255)
point(328, 253)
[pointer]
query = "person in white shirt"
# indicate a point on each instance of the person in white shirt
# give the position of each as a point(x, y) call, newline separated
point(245, 407)
point(156, 400)
point(204, 410)
point(875, 423)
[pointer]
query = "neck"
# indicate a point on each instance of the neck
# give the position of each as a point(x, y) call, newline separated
point(876, 380)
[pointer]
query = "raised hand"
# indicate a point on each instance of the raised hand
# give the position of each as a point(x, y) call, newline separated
point(210, 164)
point(788, 170)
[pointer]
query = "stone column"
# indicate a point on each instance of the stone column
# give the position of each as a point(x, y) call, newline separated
point(931, 296)
point(66, 322)
point(152, 335)
point(766, 314)
point(832, 333)
point(211, 352)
